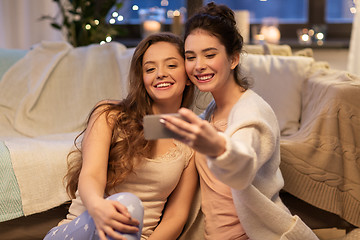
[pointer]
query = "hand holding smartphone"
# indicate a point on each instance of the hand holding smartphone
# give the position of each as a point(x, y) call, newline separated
point(154, 129)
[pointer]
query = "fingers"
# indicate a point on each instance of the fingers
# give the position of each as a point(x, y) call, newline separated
point(122, 221)
point(196, 133)
point(114, 220)
point(109, 232)
point(187, 128)
point(178, 126)
point(102, 235)
point(185, 124)
point(125, 216)
point(123, 227)
point(121, 209)
point(115, 229)
point(189, 115)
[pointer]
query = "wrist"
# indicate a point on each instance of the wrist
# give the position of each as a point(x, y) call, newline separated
point(93, 202)
point(221, 146)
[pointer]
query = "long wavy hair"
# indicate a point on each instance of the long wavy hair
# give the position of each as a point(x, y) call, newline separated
point(219, 21)
point(128, 144)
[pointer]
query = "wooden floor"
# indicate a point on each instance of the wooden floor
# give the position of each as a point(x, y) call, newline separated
point(337, 234)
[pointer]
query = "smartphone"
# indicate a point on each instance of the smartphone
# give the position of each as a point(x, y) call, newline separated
point(154, 129)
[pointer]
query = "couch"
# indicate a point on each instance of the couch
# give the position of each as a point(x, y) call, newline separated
point(47, 92)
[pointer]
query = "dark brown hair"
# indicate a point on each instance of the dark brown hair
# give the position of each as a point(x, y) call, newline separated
point(128, 144)
point(219, 21)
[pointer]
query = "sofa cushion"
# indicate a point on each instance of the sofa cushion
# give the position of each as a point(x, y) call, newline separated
point(279, 80)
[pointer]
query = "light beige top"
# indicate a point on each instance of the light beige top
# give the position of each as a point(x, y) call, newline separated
point(153, 181)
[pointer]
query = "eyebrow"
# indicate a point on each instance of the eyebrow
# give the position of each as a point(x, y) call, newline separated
point(166, 59)
point(204, 50)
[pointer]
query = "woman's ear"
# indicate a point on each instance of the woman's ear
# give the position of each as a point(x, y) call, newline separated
point(235, 58)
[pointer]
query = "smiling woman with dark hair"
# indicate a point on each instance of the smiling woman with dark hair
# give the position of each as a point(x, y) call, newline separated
point(237, 138)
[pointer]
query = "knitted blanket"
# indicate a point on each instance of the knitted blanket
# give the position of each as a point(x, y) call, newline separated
point(45, 99)
point(321, 162)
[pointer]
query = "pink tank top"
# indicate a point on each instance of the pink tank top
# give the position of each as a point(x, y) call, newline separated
point(221, 221)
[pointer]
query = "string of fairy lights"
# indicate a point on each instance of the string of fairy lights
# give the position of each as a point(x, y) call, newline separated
point(157, 14)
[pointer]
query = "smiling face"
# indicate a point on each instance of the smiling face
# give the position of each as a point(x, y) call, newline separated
point(164, 74)
point(207, 63)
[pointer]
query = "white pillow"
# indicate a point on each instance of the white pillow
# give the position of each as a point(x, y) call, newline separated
point(279, 80)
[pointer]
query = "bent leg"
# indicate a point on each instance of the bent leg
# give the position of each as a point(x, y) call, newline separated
point(83, 227)
point(135, 208)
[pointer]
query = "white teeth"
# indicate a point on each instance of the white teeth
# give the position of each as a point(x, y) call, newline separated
point(203, 78)
point(163, 85)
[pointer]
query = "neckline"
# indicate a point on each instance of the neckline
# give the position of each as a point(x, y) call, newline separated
point(171, 154)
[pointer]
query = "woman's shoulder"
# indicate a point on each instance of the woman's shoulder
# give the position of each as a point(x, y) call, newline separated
point(252, 107)
point(102, 105)
point(251, 102)
point(186, 151)
point(102, 110)
point(106, 102)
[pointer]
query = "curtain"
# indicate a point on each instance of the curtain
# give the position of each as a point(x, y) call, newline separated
point(354, 48)
point(20, 26)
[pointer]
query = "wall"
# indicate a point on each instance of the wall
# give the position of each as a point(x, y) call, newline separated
point(20, 26)
point(336, 57)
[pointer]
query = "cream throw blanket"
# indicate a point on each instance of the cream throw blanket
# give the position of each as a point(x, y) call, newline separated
point(45, 100)
point(321, 162)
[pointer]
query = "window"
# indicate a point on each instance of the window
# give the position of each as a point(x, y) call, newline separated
point(294, 11)
point(334, 16)
point(340, 11)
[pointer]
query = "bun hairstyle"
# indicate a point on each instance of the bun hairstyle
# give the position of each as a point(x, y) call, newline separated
point(219, 21)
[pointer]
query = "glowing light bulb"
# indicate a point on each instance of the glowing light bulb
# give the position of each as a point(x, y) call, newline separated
point(170, 13)
point(135, 7)
point(305, 37)
point(152, 26)
point(176, 13)
point(271, 34)
point(320, 36)
point(311, 32)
